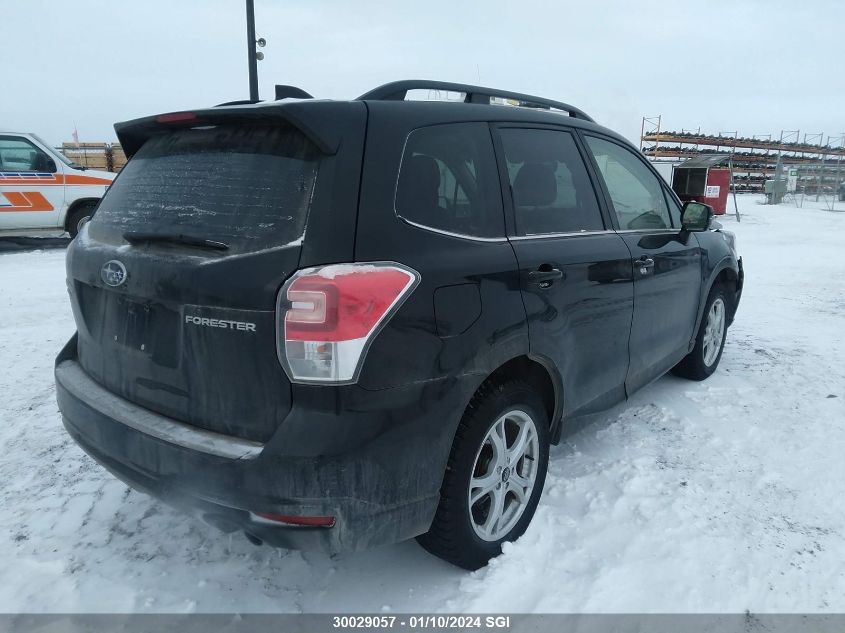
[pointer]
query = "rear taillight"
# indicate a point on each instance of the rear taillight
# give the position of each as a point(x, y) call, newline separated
point(328, 316)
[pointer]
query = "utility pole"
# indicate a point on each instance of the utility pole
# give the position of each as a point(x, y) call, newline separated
point(252, 59)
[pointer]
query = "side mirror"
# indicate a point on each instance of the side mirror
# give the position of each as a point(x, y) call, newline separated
point(51, 166)
point(696, 216)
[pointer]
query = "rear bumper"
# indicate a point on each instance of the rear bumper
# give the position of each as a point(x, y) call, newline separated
point(376, 470)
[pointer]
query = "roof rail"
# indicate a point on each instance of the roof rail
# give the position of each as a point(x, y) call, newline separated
point(397, 91)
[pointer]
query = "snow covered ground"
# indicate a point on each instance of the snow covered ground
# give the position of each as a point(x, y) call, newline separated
point(717, 496)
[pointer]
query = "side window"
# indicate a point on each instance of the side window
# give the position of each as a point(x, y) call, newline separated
point(552, 192)
point(448, 180)
point(674, 209)
point(17, 154)
point(635, 191)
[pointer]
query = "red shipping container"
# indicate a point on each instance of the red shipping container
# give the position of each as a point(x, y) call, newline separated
point(699, 179)
point(716, 190)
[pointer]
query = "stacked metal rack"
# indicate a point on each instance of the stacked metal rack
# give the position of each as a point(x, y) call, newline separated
point(818, 166)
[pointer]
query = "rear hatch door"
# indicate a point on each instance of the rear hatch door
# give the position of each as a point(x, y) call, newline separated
point(174, 280)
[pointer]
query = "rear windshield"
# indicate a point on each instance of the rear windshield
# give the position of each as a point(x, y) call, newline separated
point(248, 187)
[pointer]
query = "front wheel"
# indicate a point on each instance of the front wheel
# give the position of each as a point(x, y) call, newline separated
point(702, 361)
point(495, 475)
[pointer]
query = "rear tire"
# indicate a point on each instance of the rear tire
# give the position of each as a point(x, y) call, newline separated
point(495, 475)
point(704, 358)
point(79, 216)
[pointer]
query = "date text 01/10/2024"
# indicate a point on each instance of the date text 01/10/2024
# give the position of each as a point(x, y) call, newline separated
point(499, 622)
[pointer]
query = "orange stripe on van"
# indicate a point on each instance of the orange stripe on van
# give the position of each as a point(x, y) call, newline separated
point(57, 179)
point(74, 179)
point(29, 201)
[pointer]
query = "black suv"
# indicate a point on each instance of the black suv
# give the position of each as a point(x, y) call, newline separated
point(349, 323)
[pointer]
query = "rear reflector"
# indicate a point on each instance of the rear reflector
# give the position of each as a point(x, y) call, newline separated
point(296, 521)
point(328, 317)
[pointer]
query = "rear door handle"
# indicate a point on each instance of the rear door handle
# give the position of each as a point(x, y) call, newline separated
point(545, 276)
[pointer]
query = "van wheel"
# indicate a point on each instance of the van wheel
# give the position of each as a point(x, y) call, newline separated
point(702, 361)
point(79, 216)
point(495, 475)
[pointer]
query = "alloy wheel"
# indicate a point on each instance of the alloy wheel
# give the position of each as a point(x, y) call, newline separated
point(714, 331)
point(503, 475)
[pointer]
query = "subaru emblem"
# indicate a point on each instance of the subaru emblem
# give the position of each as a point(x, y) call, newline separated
point(113, 273)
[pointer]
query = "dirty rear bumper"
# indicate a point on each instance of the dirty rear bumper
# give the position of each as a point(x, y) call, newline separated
point(376, 470)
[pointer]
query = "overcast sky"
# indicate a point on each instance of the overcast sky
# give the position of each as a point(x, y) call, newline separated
point(750, 66)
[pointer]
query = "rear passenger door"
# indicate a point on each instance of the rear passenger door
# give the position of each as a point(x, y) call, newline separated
point(575, 271)
point(666, 262)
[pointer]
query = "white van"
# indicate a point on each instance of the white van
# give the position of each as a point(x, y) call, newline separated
point(41, 190)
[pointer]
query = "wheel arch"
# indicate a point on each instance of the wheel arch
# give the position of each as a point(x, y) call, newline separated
point(542, 374)
point(726, 272)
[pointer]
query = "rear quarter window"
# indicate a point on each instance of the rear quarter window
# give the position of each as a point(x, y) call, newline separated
point(249, 187)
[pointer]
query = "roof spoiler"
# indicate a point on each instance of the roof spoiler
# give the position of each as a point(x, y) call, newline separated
point(322, 122)
point(398, 90)
point(282, 92)
point(291, 92)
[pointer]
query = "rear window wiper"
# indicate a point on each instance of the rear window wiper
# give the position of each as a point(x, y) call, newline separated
point(135, 237)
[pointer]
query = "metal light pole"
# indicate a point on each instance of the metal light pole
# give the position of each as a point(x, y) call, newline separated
point(252, 60)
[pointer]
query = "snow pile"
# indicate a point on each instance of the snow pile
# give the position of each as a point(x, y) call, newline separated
point(717, 496)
